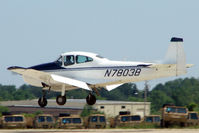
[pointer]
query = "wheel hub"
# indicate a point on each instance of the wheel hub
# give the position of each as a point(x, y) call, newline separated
point(61, 100)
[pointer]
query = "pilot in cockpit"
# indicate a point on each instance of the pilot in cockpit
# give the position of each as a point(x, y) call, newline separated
point(68, 60)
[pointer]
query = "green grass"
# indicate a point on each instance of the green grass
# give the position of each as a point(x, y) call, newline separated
point(140, 126)
point(154, 126)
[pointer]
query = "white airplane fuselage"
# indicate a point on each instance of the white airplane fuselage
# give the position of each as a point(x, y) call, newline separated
point(109, 71)
point(90, 71)
point(102, 71)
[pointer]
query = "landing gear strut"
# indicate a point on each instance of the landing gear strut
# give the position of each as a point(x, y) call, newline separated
point(61, 100)
point(91, 99)
point(43, 100)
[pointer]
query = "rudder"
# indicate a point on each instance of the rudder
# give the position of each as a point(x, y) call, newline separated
point(176, 55)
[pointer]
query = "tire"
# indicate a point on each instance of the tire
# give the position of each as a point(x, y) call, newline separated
point(162, 123)
point(42, 102)
point(167, 124)
point(61, 100)
point(183, 124)
point(91, 99)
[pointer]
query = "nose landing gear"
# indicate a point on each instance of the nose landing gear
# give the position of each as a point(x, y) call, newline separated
point(43, 100)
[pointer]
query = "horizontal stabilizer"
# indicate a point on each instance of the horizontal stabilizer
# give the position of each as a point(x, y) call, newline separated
point(189, 65)
point(162, 66)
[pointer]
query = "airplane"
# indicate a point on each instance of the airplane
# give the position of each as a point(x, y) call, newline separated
point(90, 71)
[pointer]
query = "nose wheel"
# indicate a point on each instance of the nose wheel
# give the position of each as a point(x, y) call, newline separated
point(91, 99)
point(42, 102)
point(61, 100)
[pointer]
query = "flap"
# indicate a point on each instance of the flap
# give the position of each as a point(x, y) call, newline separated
point(111, 87)
point(70, 81)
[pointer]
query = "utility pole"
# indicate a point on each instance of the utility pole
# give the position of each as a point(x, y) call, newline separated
point(146, 88)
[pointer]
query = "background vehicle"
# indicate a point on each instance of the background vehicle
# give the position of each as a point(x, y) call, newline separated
point(13, 121)
point(95, 121)
point(44, 121)
point(125, 120)
point(71, 121)
point(193, 119)
point(29, 121)
point(152, 119)
point(174, 115)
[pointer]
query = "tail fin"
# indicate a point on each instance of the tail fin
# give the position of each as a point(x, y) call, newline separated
point(176, 55)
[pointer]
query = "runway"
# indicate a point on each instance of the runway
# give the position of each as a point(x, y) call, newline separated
point(99, 131)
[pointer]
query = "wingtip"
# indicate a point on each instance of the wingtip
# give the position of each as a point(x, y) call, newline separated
point(14, 67)
point(189, 65)
point(176, 39)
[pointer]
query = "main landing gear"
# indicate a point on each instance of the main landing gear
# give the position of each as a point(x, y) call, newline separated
point(90, 99)
point(61, 99)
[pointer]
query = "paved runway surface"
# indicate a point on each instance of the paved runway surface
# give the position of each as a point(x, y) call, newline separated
point(101, 131)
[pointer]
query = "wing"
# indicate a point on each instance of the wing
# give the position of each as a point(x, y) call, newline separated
point(35, 77)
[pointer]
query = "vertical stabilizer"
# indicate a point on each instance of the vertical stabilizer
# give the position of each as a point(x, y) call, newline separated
point(176, 55)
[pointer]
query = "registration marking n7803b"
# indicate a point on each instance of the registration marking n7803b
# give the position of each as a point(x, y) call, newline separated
point(122, 72)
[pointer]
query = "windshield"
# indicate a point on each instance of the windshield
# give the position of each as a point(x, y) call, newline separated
point(149, 119)
point(135, 118)
point(94, 119)
point(157, 119)
point(8, 119)
point(171, 109)
point(66, 120)
point(102, 119)
point(18, 118)
point(193, 116)
point(181, 110)
point(176, 110)
point(11, 119)
point(124, 118)
point(49, 119)
point(76, 120)
point(59, 61)
point(41, 119)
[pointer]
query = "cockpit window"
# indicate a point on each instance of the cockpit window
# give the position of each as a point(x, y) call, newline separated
point(68, 60)
point(59, 61)
point(83, 59)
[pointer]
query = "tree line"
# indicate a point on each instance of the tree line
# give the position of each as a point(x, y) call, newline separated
point(181, 92)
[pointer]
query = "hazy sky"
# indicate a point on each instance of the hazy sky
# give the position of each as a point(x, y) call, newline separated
point(37, 31)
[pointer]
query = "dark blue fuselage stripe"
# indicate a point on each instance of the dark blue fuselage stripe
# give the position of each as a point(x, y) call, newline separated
point(101, 68)
point(96, 68)
point(54, 66)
